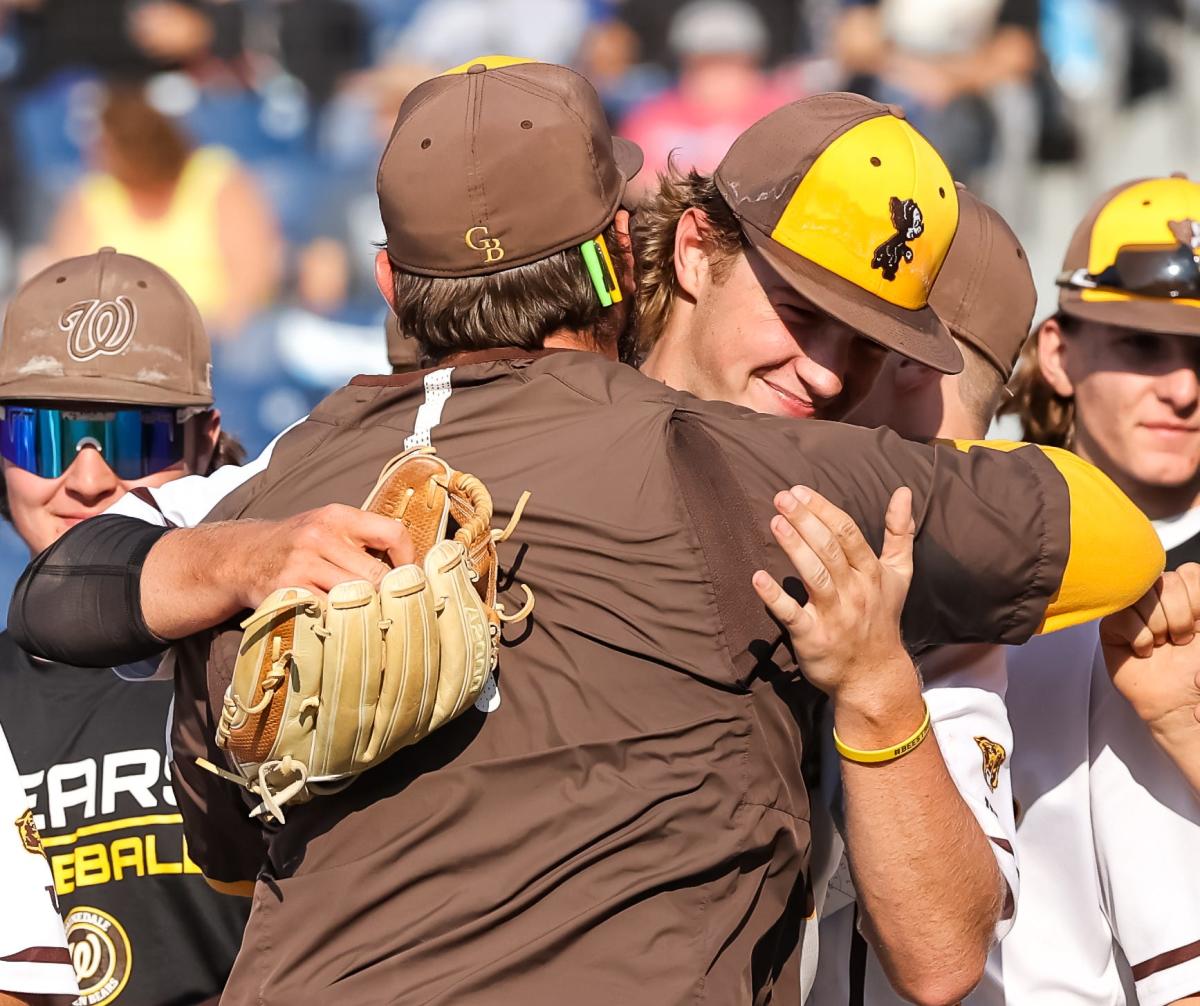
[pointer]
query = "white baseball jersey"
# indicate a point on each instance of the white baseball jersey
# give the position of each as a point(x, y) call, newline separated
point(33, 943)
point(1108, 840)
point(1108, 835)
point(187, 501)
point(965, 688)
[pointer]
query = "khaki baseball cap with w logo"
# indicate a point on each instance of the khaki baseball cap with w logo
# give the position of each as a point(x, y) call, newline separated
point(497, 163)
point(855, 210)
point(105, 328)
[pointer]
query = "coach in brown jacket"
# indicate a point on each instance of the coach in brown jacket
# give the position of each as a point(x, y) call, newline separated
point(624, 819)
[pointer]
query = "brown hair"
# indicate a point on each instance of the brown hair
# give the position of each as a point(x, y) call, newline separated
point(229, 451)
point(653, 229)
point(980, 385)
point(145, 148)
point(517, 307)
point(1047, 418)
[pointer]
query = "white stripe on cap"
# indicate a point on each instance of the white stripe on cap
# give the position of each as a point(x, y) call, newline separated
point(437, 391)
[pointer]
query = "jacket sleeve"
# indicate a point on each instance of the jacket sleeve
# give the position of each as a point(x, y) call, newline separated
point(1012, 539)
point(1114, 555)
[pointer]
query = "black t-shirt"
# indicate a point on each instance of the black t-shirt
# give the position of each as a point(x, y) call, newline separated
point(143, 926)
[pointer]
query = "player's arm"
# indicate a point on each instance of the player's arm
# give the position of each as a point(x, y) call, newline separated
point(1112, 554)
point(1152, 653)
point(1011, 538)
point(924, 871)
point(196, 578)
point(133, 587)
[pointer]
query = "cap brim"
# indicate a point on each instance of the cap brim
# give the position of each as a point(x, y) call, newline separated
point(917, 335)
point(629, 158)
point(1150, 314)
point(97, 389)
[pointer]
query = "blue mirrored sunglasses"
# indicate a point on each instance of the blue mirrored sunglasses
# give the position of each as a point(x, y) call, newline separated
point(134, 442)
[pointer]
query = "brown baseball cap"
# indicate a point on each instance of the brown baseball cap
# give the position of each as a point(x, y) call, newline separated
point(855, 210)
point(106, 328)
point(985, 292)
point(1137, 242)
point(497, 163)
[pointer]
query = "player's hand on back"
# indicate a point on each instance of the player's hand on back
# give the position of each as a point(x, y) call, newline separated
point(1152, 651)
point(317, 550)
point(848, 631)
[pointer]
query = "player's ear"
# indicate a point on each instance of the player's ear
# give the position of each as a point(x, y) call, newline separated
point(1052, 352)
point(691, 252)
point(207, 427)
point(384, 278)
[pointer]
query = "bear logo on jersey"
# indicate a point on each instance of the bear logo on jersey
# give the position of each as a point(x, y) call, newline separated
point(30, 838)
point(993, 757)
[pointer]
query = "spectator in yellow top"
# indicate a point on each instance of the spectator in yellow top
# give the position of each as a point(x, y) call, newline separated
point(194, 212)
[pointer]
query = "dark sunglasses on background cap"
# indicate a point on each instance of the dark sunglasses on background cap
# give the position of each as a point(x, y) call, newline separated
point(134, 442)
point(1149, 270)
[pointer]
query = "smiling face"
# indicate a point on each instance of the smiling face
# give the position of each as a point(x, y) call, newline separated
point(754, 341)
point(43, 509)
point(1137, 407)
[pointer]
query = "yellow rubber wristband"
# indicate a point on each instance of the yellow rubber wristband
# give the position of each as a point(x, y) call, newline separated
point(880, 755)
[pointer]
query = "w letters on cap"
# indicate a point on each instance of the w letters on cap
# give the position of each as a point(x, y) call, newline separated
point(99, 327)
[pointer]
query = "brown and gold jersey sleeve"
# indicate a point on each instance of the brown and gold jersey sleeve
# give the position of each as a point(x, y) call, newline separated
point(1114, 553)
point(1010, 541)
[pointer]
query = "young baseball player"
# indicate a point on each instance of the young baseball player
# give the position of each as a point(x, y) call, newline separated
point(1114, 374)
point(688, 229)
point(964, 687)
point(1094, 793)
point(619, 702)
point(1108, 829)
point(105, 389)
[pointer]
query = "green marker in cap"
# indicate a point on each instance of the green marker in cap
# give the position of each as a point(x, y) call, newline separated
point(591, 259)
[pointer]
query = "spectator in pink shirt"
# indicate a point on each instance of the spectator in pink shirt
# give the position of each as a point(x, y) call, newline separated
point(722, 89)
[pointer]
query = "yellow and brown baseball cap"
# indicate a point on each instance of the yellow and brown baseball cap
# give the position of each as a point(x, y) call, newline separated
point(1134, 260)
point(985, 292)
point(105, 328)
point(497, 163)
point(855, 209)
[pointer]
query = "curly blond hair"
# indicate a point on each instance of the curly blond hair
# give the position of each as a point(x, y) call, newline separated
point(653, 232)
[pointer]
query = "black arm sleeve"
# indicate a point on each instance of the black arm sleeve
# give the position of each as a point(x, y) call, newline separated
point(80, 601)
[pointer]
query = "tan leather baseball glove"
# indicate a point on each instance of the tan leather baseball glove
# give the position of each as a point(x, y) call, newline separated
point(324, 689)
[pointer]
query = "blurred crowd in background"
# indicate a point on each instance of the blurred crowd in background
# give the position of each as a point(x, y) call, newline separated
point(235, 142)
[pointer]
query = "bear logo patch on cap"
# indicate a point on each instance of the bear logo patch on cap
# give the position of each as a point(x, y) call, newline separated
point(910, 225)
